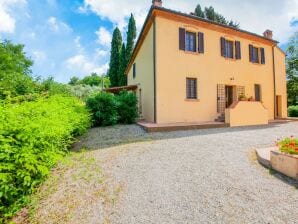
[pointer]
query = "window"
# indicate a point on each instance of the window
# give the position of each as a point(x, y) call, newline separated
point(191, 88)
point(229, 49)
point(257, 92)
point(134, 70)
point(255, 54)
point(190, 41)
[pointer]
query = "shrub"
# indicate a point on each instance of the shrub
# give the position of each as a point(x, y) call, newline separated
point(83, 91)
point(293, 111)
point(127, 107)
point(289, 145)
point(33, 137)
point(104, 109)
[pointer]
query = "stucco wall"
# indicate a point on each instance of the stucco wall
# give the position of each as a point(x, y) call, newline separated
point(246, 113)
point(174, 65)
point(144, 76)
point(281, 84)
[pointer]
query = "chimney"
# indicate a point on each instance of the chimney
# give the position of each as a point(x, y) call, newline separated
point(268, 34)
point(157, 3)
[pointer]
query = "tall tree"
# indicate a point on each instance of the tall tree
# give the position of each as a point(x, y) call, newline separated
point(199, 12)
point(131, 36)
point(15, 70)
point(211, 14)
point(123, 64)
point(115, 57)
point(292, 70)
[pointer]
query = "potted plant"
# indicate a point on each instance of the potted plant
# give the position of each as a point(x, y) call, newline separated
point(285, 158)
point(242, 97)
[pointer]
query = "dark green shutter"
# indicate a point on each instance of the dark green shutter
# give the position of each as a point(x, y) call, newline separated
point(201, 42)
point(223, 46)
point(250, 53)
point(262, 56)
point(238, 49)
point(182, 39)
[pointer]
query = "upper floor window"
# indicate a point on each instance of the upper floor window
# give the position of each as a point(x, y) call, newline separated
point(228, 50)
point(134, 72)
point(190, 41)
point(256, 54)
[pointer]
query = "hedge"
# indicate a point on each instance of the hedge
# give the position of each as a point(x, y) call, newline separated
point(293, 111)
point(109, 109)
point(34, 136)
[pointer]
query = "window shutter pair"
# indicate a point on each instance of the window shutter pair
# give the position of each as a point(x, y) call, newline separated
point(223, 48)
point(182, 41)
point(262, 51)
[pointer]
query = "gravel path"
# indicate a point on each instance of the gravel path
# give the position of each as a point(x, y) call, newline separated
point(203, 176)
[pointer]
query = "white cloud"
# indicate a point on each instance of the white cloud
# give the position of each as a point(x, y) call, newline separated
point(254, 15)
point(82, 65)
point(39, 56)
point(7, 20)
point(104, 37)
point(56, 25)
point(101, 53)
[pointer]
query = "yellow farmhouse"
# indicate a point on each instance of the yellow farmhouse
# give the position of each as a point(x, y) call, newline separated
point(188, 69)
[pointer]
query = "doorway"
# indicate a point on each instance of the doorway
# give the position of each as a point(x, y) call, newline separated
point(278, 107)
point(229, 95)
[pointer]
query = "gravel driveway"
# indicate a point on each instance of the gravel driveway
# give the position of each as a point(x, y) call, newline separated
point(198, 176)
point(203, 176)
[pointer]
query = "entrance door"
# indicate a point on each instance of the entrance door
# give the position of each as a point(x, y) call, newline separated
point(229, 96)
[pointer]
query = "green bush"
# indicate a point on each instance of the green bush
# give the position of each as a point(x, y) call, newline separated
point(127, 107)
point(293, 111)
point(33, 137)
point(104, 109)
point(109, 109)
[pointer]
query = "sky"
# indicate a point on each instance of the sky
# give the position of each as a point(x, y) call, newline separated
point(68, 38)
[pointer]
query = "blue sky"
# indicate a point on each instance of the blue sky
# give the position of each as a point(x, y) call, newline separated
point(72, 37)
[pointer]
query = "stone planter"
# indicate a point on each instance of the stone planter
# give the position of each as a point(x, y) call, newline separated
point(284, 163)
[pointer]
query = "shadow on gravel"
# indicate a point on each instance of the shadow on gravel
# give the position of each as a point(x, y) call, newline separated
point(104, 137)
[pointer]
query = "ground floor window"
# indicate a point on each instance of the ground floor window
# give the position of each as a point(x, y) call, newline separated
point(191, 88)
point(257, 92)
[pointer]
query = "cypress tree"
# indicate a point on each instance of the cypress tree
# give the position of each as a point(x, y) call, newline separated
point(115, 57)
point(131, 36)
point(199, 12)
point(123, 64)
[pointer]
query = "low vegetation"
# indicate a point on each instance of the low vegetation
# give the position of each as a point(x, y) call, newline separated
point(293, 111)
point(289, 145)
point(109, 109)
point(33, 137)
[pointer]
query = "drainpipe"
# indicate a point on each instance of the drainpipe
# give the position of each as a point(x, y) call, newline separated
point(274, 80)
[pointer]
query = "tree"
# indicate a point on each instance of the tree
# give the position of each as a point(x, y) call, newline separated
point(292, 70)
point(199, 12)
point(91, 80)
point(122, 67)
point(131, 36)
point(15, 70)
point(115, 57)
point(211, 14)
point(74, 81)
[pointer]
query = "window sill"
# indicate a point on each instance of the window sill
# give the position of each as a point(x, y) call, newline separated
point(192, 100)
point(192, 52)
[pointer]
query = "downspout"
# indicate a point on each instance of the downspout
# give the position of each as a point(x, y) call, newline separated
point(274, 81)
point(154, 68)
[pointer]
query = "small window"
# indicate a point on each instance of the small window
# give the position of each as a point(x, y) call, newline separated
point(134, 70)
point(191, 88)
point(257, 92)
point(255, 54)
point(190, 41)
point(229, 49)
